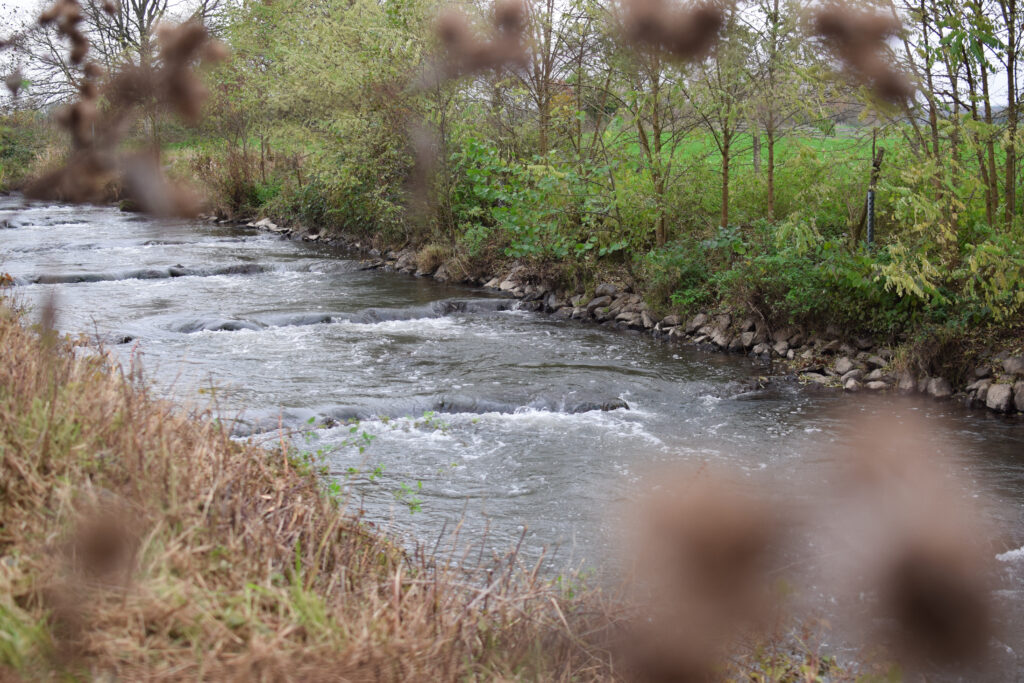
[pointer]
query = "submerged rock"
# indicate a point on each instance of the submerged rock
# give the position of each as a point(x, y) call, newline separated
point(613, 404)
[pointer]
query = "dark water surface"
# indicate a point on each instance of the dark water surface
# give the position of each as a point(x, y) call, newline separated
point(280, 332)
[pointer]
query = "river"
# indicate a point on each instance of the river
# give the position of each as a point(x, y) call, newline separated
point(474, 411)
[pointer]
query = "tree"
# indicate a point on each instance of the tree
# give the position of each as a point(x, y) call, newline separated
point(720, 94)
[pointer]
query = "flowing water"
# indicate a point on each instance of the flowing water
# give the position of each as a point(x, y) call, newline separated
point(477, 412)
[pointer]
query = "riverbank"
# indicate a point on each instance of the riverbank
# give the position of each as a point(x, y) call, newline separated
point(139, 541)
point(973, 371)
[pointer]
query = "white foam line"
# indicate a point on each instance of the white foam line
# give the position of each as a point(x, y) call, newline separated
point(1012, 555)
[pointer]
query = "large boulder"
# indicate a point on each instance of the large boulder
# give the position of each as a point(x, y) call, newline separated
point(407, 261)
point(855, 373)
point(634, 320)
point(720, 337)
point(875, 362)
point(831, 347)
point(1014, 365)
point(552, 302)
point(698, 321)
point(606, 289)
point(671, 321)
point(863, 343)
point(907, 383)
point(1018, 395)
point(599, 302)
point(999, 398)
point(844, 365)
point(980, 389)
point(877, 375)
point(939, 387)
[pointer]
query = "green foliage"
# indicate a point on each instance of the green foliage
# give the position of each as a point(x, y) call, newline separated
point(23, 136)
point(540, 210)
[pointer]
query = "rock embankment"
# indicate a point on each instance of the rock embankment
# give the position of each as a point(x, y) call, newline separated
point(828, 358)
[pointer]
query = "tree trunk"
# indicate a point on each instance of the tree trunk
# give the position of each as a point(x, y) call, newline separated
point(725, 182)
point(545, 121)
point(1010, 10)
point(990, 214)
point(755, 134)
point(771, 174)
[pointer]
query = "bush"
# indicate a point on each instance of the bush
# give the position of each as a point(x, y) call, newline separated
point(23, 137)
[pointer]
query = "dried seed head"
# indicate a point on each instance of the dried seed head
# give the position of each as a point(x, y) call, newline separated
point(49, 14)
point(180, 44)
point(703, 560)
point(453, 29)
point(857, 39)
point(93, 70)
point(79, 48)
point(215, 51)
point(936, 596)
point(687, 33)
point(509, 16)
point(466, 54)
point(14, 81)
point(911, 535)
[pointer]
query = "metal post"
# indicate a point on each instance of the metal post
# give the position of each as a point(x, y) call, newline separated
point(871, 216)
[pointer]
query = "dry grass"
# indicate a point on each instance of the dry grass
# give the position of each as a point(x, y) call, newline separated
point(431, 256)
point(140, 543)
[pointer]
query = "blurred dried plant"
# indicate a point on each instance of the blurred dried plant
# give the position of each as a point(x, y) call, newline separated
point(466, 54)
point(702, 567)
point(685, 32)
point(14, 81)
point(857, 39)
point(96, 163)
point(910, 534)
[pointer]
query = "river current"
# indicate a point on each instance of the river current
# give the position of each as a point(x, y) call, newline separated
point(466, 409)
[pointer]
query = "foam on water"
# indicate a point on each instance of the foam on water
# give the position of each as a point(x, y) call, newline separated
point(1012, 555)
